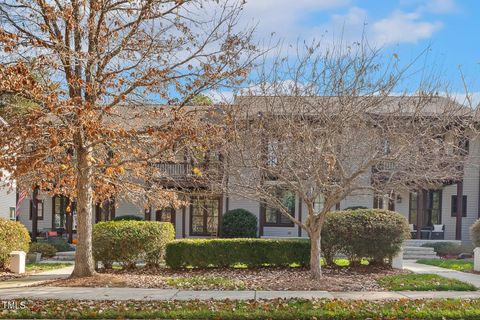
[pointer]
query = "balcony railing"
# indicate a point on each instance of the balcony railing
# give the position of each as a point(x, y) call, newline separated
point(175, 170)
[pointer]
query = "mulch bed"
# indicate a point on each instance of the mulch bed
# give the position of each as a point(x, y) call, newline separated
point(362, 278)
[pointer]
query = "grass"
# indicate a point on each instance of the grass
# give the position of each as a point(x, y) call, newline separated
point(39, 267)
point(423, 282)
point(454, 264)
point(206, 282)
point(246, 310)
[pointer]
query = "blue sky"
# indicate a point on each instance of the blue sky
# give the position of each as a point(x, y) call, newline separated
point(449, 27)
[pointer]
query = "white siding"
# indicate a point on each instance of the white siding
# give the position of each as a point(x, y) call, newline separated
point(7, 201)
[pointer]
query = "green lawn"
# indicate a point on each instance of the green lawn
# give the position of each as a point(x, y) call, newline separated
point(423, 282)
point(206, 282)
point(39, 267)
point(246, 310)
point(454, 264)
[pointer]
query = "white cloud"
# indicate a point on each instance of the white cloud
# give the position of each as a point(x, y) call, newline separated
point(285, 17)
point(433, 6)
point(403, 27)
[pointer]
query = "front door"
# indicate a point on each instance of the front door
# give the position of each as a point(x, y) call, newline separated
point(166, 215)
point(204, 215)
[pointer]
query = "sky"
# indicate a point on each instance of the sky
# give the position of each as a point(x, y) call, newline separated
point(448, 28)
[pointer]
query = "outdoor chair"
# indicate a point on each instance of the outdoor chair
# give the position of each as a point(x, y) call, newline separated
point(438, 232)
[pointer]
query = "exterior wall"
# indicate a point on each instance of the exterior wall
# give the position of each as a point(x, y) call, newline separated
point(8, 197)
point(7, 201)
point(24, 214)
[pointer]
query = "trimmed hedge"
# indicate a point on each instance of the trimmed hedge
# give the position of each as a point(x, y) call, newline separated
point(47, 250)
point(202, 253)
point(13, 237)
point(444, 249)
point(128, 217)
point(371, 234)
point(128, 241)
point(239, 223)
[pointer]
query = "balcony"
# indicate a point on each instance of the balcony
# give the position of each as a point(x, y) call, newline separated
point(175, 170)
point(187, 174)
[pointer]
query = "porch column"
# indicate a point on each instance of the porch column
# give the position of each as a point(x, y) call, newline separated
point(35, 214)
point(458, 214)
point(419, 213)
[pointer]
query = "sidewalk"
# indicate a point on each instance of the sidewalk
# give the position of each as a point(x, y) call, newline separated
point(37, 278)
point(67, 293)
point(415, 267)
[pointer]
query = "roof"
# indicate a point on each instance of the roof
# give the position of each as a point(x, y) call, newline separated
point(404, 105)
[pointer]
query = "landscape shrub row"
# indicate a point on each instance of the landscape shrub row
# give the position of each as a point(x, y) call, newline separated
point(204, 253)
point(128, 241)
point(374, 235)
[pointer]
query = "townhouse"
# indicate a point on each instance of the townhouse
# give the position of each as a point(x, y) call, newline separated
point(432, 214)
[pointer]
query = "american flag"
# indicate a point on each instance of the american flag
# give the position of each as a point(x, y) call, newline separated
point(21, 197)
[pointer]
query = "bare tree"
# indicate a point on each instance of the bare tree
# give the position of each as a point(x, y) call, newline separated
point(82, 137)
point(329, 124)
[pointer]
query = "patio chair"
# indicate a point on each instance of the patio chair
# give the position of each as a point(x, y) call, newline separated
point(438, 232)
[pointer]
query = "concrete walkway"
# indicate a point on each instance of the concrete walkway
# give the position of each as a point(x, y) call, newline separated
point(37, 278)
point(67, 293)
point(415, 267)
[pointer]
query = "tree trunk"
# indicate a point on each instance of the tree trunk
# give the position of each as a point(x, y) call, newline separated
point(315, 251)
point(84, 264)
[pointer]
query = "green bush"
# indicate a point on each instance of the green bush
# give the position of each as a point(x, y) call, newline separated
point(370, 234)
point(239, 223)
point(447, 248)
point(202, 253)
point(47, 250)
point(128, 217)
point(475, 233)
point(13, 237)
point(60, 244)
point(128, 241)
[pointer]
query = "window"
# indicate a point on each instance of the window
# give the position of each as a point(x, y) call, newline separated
point(273, 216)
point(59, 212)
point(204, 216)
point(412, 214)
point(13, 215)
point(165, 215)
point(319, 203)
point(105, 211)
point(431, 208)
point(40, 209)
point(377, 201)
point(454, 206)
point(272, 153)
point(434, 207)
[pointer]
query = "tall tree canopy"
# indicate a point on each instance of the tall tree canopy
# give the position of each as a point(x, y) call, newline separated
point(83, 137)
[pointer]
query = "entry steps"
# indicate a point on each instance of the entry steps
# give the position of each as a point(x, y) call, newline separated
point(415, 253)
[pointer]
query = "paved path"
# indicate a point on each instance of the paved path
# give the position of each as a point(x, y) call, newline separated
point(415, 267)
point(37, 278)
point(67, 293)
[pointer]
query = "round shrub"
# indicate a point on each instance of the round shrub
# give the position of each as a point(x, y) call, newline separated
point(128, 217)
point(128, 241)
point(47, 250)
point(475, 233)
point(371, 234)
point(239, 223)
point(13, 237)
